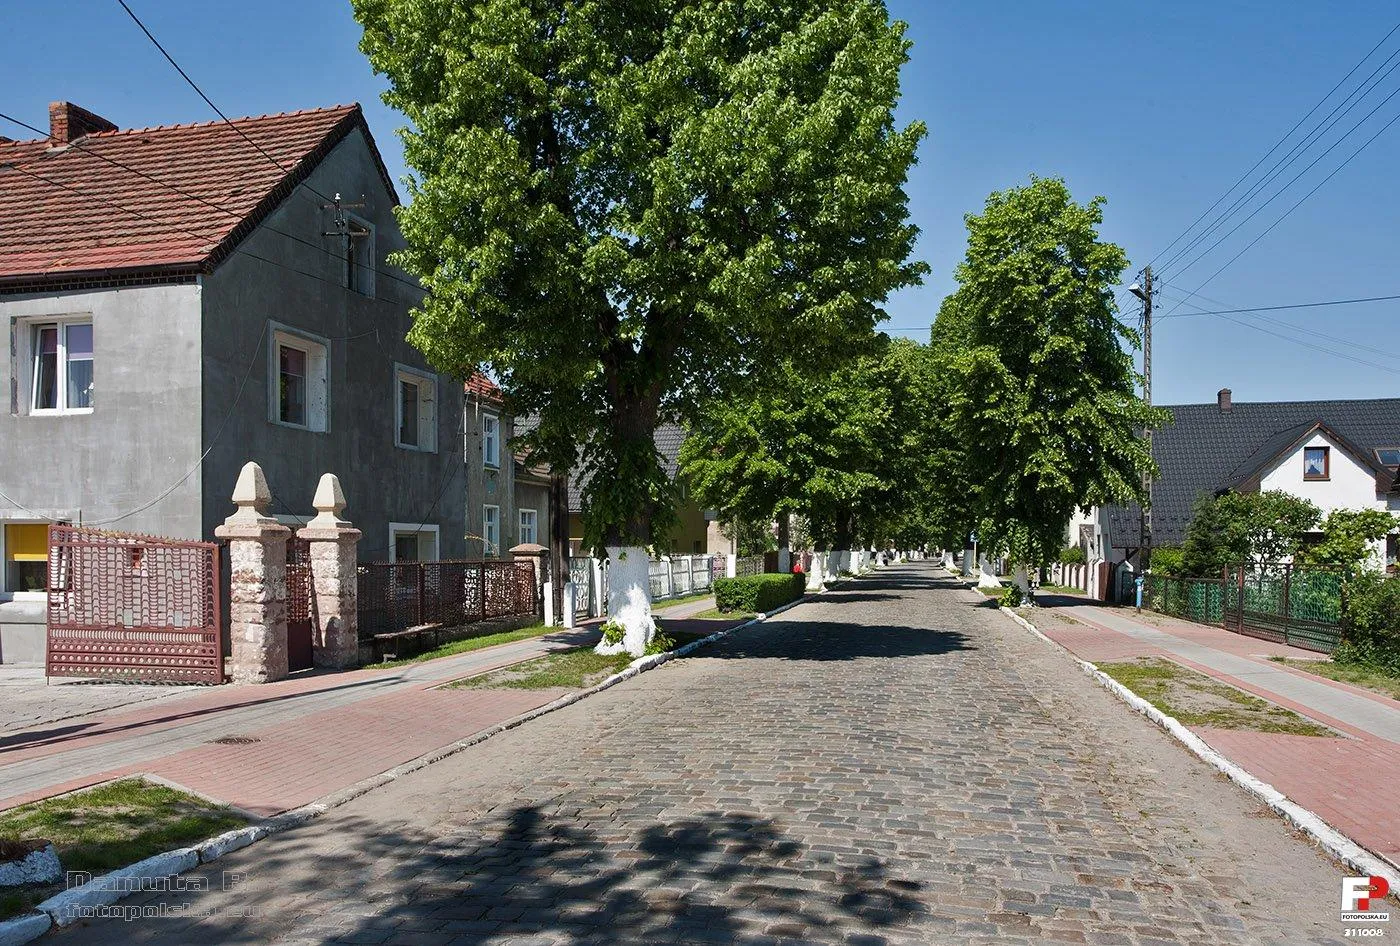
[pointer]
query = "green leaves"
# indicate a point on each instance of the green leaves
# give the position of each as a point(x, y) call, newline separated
point(627, 207)
point(1236, 528)
point(1041, 413)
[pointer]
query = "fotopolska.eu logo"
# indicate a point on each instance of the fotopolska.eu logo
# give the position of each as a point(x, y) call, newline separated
point(1363, 899)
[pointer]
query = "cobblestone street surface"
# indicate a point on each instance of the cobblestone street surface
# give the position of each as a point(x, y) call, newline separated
point(892, 762)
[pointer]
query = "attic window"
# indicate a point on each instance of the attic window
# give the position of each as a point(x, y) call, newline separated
point(1317, 463)
point(359, 256)
point(1388, 456)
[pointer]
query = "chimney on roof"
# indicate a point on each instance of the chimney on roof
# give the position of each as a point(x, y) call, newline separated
point(69, 122)
point(1222, 400)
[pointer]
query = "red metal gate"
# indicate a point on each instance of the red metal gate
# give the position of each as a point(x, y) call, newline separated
point(298, 604)
point(133, 607)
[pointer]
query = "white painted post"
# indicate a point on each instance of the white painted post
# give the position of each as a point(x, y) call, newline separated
point(570, 602)
point(596, 603)
point(549, 604)
point(731, 565)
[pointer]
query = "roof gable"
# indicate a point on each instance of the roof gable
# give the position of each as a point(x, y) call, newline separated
point(154, 200)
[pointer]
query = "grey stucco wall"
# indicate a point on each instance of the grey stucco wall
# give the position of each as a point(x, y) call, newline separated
point(487, 486)
point(383, 483)
point(143, 431)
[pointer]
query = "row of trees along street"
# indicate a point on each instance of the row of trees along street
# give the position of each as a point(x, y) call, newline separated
point(632, 213)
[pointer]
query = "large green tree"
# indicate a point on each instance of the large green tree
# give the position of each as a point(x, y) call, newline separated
point(622, 207)
point(1041, 409)
point(1237, 528)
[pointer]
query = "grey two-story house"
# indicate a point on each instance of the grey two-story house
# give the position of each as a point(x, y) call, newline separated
point(178, 300)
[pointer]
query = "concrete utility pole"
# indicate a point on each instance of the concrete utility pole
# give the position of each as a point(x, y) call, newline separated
point(1144, 292)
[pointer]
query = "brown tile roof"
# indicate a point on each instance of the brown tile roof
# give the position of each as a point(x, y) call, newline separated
point(482, 386)
point(66, 213)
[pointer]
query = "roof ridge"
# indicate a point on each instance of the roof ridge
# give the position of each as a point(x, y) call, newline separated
point(219, 121)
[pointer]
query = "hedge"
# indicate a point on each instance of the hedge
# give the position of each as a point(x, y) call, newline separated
point(758, 592)
point(1371, 636)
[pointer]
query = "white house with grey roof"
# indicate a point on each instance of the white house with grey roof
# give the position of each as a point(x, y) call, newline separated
point(1338, 454)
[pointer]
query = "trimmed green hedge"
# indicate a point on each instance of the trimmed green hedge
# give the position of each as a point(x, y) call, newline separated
point(758, 592)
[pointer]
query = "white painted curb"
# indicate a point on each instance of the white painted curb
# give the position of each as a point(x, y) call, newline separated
point(63, 908)
point(1331, 840)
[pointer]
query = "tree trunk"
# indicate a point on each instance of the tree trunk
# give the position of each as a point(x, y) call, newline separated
point(784, 543)
point(629, 600)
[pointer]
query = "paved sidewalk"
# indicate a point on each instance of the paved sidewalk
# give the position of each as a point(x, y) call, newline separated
point(27, 699)
point(1333, 777)
point(289, 742)
point(892, 762)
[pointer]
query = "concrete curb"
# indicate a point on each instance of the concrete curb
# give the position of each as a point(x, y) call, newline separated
point(63, 908)
point(1336, 844)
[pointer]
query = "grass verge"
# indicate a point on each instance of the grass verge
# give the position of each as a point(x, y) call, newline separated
point(715, 614)
point(452, 648)
point(1197, 700)
point(574, 669)
point(672, 602)
point(1374, 680)
point(110, 826)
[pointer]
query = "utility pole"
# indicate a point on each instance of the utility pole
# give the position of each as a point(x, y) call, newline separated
point(1144, 292)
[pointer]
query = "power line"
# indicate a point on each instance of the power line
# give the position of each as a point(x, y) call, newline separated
point(207, 100)
point(1277, 144)
point(80, 147)
point(1273, 308)
point(1355, 98)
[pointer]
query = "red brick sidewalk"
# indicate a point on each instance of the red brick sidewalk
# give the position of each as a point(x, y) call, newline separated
point(1348, 781)
point(293, 742)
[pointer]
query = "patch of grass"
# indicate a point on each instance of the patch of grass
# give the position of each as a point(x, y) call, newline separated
point(672, 602)
point(1197, 700)
point(1374, 680)
point(715, 614)
point(571, 669)
point(1059, 590)
point(110, 826)
point(453, 648)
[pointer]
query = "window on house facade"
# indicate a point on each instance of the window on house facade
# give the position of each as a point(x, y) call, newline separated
point(1388, 456)
point(299, 392)
point(359, 256)
point(26, 550)
point(1317, 463)
point(416, 409)
point(490, 440)
point(529, 526)
point(61, 367)
point(491, 529)
point(413, 542)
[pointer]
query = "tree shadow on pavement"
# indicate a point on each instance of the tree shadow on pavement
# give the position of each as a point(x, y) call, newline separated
point(835, 640)
point(556, 870)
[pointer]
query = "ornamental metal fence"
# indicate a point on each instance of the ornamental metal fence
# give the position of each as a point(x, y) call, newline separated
point(123, 606)
point(748, 565)
point(396, 596)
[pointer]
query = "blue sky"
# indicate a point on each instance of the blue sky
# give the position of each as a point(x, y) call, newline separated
point(1159, 108)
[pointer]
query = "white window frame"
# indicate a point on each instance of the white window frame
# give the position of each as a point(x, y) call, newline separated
point(490, 545)
point(26, 368)
point(423, 531)
point(426, 382)
point(366, 260)
point(318, 377)
point(491, 447)
point(534, 525)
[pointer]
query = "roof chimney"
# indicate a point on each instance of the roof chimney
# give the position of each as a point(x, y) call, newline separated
point(1222, 399)
point(69, 122)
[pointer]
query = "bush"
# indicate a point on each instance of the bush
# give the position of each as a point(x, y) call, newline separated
point(1371, 638)
point(1168, 560)
point(1074, 555)
point(1012, 597)
point(613, 633)
point(758, 592)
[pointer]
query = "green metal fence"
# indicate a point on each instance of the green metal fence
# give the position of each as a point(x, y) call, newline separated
point(1303, 607)
point(1195, 599)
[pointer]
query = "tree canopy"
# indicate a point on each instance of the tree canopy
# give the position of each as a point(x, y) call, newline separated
point(1238, 528)
point(623, 208)
point(1040, 410)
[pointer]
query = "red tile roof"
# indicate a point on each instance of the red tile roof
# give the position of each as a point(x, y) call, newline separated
point(65, 212)
point(482, 386)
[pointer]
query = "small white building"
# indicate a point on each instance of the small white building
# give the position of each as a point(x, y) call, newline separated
point(1338, 454)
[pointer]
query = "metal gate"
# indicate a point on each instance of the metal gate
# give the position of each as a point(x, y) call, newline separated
point(298, 604)
point(132, 607)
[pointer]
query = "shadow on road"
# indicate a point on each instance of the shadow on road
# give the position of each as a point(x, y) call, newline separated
point(590, 876)
point(836, 640)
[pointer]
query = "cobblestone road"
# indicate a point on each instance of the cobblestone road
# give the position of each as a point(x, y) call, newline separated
point(893, 762)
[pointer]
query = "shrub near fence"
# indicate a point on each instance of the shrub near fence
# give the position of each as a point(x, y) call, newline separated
point(758, 592)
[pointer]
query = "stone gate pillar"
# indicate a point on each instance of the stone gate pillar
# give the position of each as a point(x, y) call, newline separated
point(538, 557)
point(335, 629)
point(257, 596)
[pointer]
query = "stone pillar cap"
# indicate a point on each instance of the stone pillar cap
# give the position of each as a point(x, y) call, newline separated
point(251, 496)
point(328, 502)
point(529, 548)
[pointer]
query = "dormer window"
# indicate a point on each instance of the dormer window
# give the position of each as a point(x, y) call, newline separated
point(1388, 456)
point(1317, 463)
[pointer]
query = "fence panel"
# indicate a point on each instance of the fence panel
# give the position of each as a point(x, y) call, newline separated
point(133, 607)
point(1300, 606)
point(396, 596)
point(660, 575)
point(581, 574)
point(750, 565)
point(680, 576)
point(701, 572)
point(1195, 599)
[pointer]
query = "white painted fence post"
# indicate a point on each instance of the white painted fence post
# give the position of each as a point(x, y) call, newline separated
point(731, 565)
point(596, 604)
point(570, 603)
